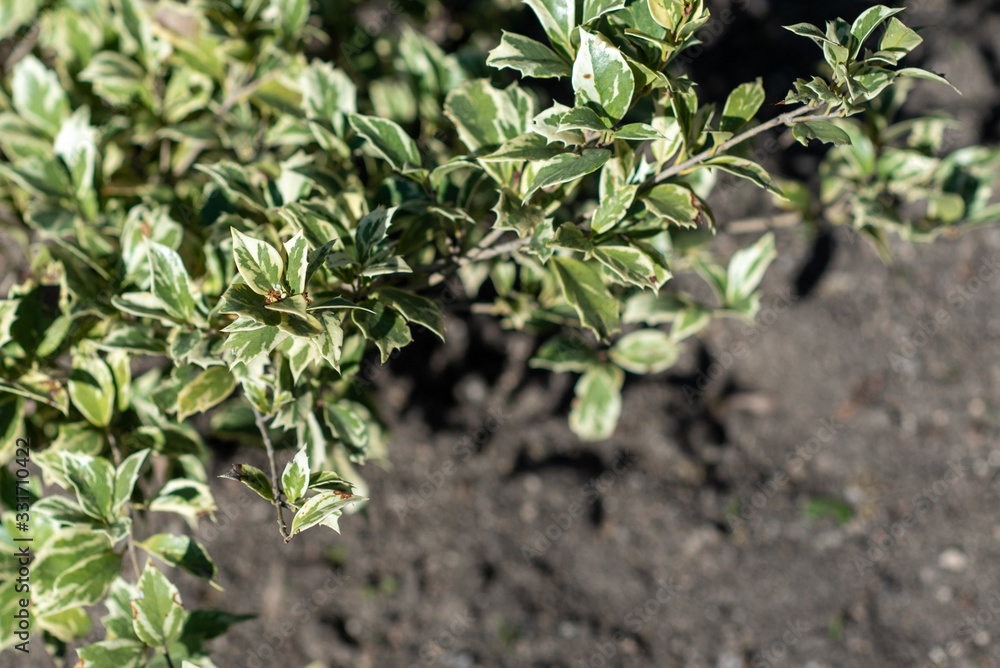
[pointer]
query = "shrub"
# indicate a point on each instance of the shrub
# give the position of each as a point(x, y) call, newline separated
point(219, 225)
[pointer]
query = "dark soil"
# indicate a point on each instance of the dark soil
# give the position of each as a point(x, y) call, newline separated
point(858, 435)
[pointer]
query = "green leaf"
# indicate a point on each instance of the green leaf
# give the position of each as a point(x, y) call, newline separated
point(746, 169)
point(258, 262)
point(37, 95)
point(587, 294)
point(602, 79)
point(415, 308)
point(569, 236)
point(673, 202)
point(171, 282)
point(295, 478)
point(207, 623)
point(613, 208)
point(115, 653)
point(486, 117)
point(347, 423)
point(252, 477)
point(667, 13)
point(746, 269)
point(558, 18)
point(638, 132)
point(822, 130)
point(594, 9)
point(563, 353)
point(629, 264)
point(292, 16)
point(92, 389)
point(384, 327)
point(242, 300)
point(298, 252)
point(513, 215)
point(125, 477)
point(330, 343)
point(917, 73)
point(209, 388)
point(899, 38)
point(529, 146)
point(598, 403)
point(371, 231)
point(188, 498)
point(235, 180)
point(158, 616)
point(246, 345)
point(867, 22)
point(530, 58)
point(645, 351)
point(389, 140)
point(116, 78)
point(327, 92)
point(181, 552)
point(742, 105)
point(319, 509)
point(84, 582)
point(567, 167)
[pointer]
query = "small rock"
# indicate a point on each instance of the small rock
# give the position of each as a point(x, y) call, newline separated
point(953, 560)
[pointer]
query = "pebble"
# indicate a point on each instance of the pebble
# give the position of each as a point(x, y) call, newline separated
point(953, 560)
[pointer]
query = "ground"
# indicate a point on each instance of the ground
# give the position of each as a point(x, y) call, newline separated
point(854, 429)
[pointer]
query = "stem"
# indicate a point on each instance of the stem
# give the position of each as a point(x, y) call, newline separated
point(131, 554)
point(783, 119)
point(275, 489)
point(166, 655)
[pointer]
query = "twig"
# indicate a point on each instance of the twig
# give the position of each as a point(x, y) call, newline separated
point(761, 223)
point(131, 554)
point(783, 119)
point(275, 489)
point(166, 655)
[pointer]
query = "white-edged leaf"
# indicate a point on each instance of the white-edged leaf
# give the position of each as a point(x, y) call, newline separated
point(258, 262)
point(529, 57)
point(295, 477)
point(602, 79)
point(598, 402)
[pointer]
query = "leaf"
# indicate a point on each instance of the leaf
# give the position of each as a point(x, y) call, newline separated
point(638, 132)
point(746, 269)
point(563, 353)
point(587, 294)
point(298, 252)
point(158, 615)
point(558, 18)
point(867, 22)
point(114, 653)
point(116, 78)
point(207, 623)
point(673, 202)
point(188, 498)
point(645, 351)
point(295, 477)
point(899, 38)
point(746, 169)
point(347, 423)
point(209, 388)
point(383, 327)
point(742, 105)
point(530, 58)
point(567, 167)
point(602, 79)
point(598, 403)
point(486, 117)
point(84, 582)
point(667, 13)
point(235, 180)
point(292, 16)
point(252, 477)
point(318, 509)
point(125, 478)
point(181, 552)
point(594, 9)
point(822, 130)
point(917, 73)
point(629, 264)
point(92, 389)
point(171, 282)
point(529, 146)
point(242, 300)
point(247, 345)
point(327, 92)
point(258, 262)
point(371, 231)
point(37, 95)
point(415, 308)
point(389, 140)
point(513, 215)
point(613, 208)
point(569, 236)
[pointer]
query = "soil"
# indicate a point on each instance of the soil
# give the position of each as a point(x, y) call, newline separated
point(855, 427)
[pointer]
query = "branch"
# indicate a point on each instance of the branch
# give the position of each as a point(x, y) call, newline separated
point(275, 489)
point(783, 119)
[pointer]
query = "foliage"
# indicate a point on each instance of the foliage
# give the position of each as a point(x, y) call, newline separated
point(222, 230)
